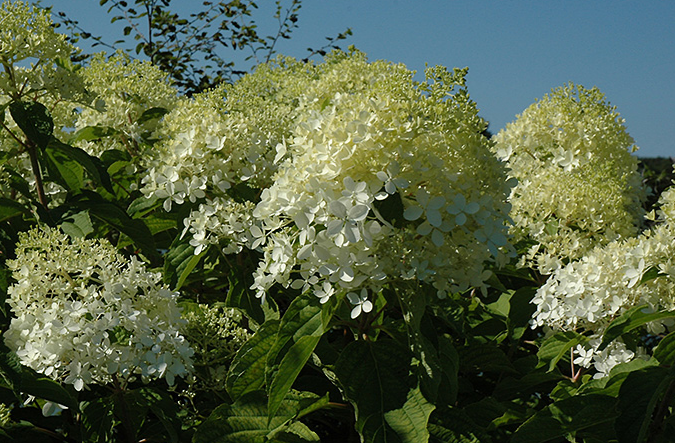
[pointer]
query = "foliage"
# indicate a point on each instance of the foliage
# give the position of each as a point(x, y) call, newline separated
point(190, 49)
point(316, 252)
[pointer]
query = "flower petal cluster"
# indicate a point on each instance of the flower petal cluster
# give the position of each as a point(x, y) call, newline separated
point(578, 184)
point(124, 90)
point(216, 335)
point(84, 314)
point(588, 293)
point(33, 54)
point(364, 176)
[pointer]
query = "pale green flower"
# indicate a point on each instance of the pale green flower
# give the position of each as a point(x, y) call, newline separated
point(578, 185)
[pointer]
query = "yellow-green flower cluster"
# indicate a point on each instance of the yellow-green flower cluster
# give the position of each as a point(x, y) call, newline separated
point(578, 185)
point(216, 335)
point(124, 90)
point(85, 314)
point(366, 176)
point(33, 55)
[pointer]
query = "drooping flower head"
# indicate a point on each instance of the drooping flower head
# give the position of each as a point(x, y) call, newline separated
point(84, 314)
point(578, 184)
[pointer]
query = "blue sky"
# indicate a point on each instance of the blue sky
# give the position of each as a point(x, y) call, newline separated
point(516, 50)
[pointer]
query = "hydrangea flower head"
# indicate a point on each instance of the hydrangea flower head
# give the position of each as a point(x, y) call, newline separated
point(84, 314)
point(578, 184)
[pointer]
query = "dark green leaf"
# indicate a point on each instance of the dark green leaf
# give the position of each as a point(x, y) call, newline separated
point(557, 347)
point(376, 378)
point(291, 365)
point(638, 396)
point(566, 417)
point(410, 421)
point(11, 208)
point(34, 120)
point(90, 133)
point(98, 420)
point(245, 421)
point(151, 114)
point(630, 320)
point(247, 371)
point(665, 351)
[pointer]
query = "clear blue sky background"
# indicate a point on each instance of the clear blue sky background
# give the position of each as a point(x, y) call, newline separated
point(516, 50)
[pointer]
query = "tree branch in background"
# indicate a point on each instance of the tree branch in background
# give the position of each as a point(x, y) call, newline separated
point(193, 50)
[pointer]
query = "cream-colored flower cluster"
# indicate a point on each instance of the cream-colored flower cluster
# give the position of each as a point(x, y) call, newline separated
point(366, 177)
point(124, 90)
point(578, 185)
point(587, 294)
point(216, 334)
point(84, 314)
point(33, 54)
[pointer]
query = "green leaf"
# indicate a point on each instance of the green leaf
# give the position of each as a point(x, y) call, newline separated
point(558, 347)
point(630, 320)
point(98, 419)
point(93, 133)
point(77, 225)
point(34, 120)
point(291, 365)
point(247, 371)
point(485, 358)
point(638, 395)
point(142, 205)
point(47, 389)
point(376, 377)
point(245, 421)
point(116, 217)
point(566, 417)
point(240, 296)
point(94, 167)
point(151, 114)
point(302, 318)
point(665, 351)
point(64, 170)
point(10, 208)
point(177, 261)
point(410, 421)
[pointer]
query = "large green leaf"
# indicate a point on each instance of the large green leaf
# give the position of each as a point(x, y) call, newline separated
point(376, 377)
point(557, 347)
point(566, 417)
point(67, 154)
point(93, 133)
point(299, 332)
point(245, 421)
point(291, 365)
point(116, 217)
point(34, 120)
point(410, 421)
point(98, 419)
point(630, 320)
point(638, 396)
point(665, 351)
point(301, 319)
point(10, 208)
point(64, 170)
point(247, 371)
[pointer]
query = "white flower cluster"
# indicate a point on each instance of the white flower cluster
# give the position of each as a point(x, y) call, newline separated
point(578, 185)
point(366, 177)
point(602, 361)
point(587, 294)
point(84, 314)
